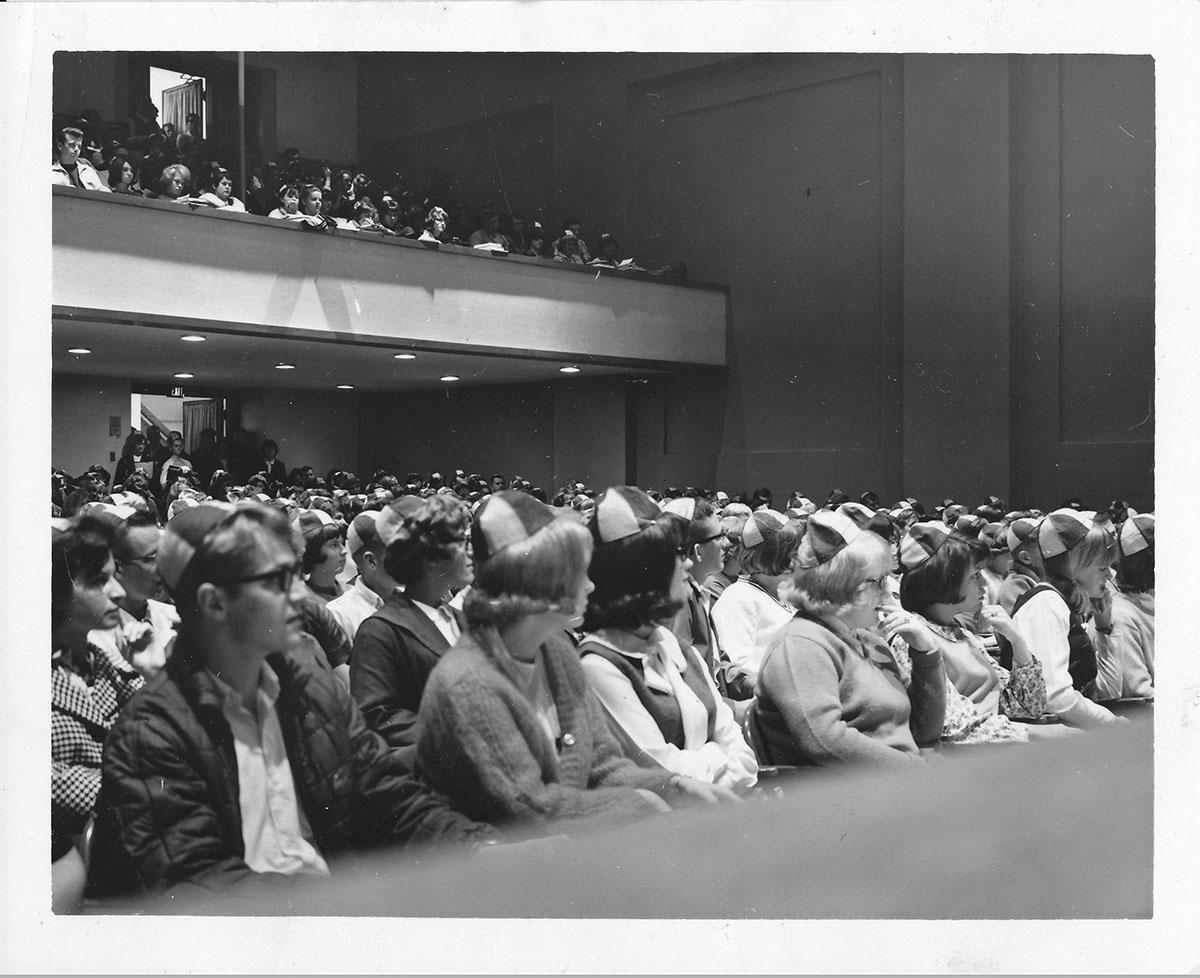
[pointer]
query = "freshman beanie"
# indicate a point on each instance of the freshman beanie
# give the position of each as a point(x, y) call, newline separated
point(828, 534)
point(763, 525)
point(394, 515)
point(185, 534)
point(1062, 529)
point(622, 511)
point(1137, 534)
point(921, 541)
point(1020, 530)
point(505, 519)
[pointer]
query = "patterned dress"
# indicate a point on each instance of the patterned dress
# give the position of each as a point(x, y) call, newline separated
point(1022, 691)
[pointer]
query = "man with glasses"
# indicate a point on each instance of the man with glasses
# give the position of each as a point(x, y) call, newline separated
point(147, 623)
point(246, 767)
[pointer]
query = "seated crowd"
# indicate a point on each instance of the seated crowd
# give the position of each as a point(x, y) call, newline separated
point(144, 159)
point(260, 675)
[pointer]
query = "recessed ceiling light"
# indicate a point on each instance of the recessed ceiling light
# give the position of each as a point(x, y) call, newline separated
point(185, 376)
point(79, 349)
point(404, 356)
point(568, 370)
point(285, 366)
point(192, 338)
point(449, 377)
point(345, 387)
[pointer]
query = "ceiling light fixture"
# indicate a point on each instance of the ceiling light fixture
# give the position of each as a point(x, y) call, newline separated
point(449, 377)
point(345, 387)
point(568, 370)
point(185, 376)
point(193, 338)
point(404, 356)
point(79, 349)
point(285, 366)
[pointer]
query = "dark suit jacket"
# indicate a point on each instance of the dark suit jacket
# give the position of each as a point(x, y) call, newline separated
point(394, 652)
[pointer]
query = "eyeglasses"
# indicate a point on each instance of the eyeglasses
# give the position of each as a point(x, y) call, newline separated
point(146, 561)
point(715, 536)
point(280, 579)
point(881, 583)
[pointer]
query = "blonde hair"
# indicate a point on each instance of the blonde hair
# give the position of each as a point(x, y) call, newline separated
point(1063, 570)
point(830, 586)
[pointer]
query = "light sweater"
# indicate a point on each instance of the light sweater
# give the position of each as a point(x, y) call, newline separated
point(1125, 659)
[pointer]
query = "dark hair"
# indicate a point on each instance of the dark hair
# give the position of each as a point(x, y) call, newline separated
point(216, 175)
point(116, 167)
point(760, 495)
point(78, 552)
point(269, 443)
point(313, 545)
point(1135, 572)
point(704, 511)
point(633, 575)
point(939, 579)
point(428, 535)
point(137, 520)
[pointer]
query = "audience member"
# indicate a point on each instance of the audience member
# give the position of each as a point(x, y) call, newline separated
point(68, 170)
point(1125, 651)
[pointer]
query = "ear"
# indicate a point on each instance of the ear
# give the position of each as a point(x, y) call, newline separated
point(212, 600)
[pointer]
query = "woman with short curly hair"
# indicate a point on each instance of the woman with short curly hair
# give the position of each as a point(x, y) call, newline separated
point(427, 552)
point(661, 698)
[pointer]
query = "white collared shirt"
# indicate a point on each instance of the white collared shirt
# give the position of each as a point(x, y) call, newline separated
point(442, 617)
point(354, 606)
point(275, 832)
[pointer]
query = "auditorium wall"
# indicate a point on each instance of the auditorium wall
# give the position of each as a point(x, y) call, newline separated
point(81, 409)
point(317, 428)
point(906, 239)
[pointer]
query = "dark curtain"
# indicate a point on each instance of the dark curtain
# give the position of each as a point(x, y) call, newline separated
point(198, 415)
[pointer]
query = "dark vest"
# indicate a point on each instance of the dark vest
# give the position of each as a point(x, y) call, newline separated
point(1082, 663)
point(662, 706)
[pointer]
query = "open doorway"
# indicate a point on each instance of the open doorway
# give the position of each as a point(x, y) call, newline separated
point(189, 414)
point(178, 96)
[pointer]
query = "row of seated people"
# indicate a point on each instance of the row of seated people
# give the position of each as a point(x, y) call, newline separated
point(500, 672)
point(327, 200)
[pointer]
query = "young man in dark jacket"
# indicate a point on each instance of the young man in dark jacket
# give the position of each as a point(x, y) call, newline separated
point(245, 768)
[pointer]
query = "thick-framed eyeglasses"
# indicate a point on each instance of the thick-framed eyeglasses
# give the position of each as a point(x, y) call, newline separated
point(715, 536)
point(280, 579)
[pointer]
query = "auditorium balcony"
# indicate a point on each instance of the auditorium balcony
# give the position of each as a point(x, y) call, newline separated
point(293, 317)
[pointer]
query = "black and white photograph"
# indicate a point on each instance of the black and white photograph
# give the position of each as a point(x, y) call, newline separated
point(600, 487)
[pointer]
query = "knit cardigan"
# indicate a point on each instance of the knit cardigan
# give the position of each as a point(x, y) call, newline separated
point(482, 745)
point(827, 695)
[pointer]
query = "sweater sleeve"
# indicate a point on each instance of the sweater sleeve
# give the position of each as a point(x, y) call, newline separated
point(801, 678)
point(472, 747)
point(711, 762)
point(1044, 621)
point(927, 694)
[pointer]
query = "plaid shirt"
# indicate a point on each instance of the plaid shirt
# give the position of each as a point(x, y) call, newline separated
point(81, 714)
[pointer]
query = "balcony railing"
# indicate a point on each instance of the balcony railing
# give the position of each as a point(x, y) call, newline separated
point(126, 259)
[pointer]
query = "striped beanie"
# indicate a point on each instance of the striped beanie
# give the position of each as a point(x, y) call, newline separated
point(363, 531)
point(1137, 534)
point(921, 541)
point(622, 511)
point(312, 521)
point(762, 525)
point(394, 515)
point(970, 525)
point(507, 518)
point(1061, 530)
point(185, 534)
point(684, 506)
point(828, 534)
point(1019, 530)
